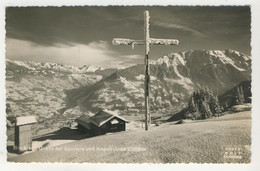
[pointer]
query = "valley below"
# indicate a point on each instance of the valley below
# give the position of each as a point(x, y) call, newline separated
point(57, 94)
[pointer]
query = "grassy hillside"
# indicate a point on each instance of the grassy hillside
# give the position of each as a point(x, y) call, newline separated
point(208, 141)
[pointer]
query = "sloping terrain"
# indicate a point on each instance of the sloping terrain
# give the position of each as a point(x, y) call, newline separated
point(39, 89)
point(173, 78)
point(220, 140)
point(55, 93)
point(228, 98)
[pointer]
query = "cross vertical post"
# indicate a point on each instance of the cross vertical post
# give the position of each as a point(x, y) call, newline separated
point(147, 70)
point(146, 42)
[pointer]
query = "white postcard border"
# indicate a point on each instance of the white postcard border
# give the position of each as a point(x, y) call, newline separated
point(255, 28)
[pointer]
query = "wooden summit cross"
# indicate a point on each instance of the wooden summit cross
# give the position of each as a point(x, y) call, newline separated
point(147, 42)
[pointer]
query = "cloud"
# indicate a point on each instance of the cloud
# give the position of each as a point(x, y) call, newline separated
point(195, 27)
point(98, 53)
point(132, 57)
point(99, 44)
point(179, 27)
point(124, 61)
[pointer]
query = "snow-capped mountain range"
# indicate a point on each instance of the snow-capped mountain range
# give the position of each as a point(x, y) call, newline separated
point(38, 88)
point(47, 90)
point(35, 67)
point(173, 78)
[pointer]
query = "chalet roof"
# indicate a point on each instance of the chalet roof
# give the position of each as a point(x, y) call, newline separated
point(98, 119)
point(23, 120)
point(84, 120)
point(105, 115)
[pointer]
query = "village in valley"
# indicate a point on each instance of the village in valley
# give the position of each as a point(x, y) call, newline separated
point(161, 105)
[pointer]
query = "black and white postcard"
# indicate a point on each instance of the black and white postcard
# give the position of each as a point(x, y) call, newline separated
point(129, 84)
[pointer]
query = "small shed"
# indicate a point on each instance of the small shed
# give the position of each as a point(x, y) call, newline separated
point(23, 133)
point(101, 123)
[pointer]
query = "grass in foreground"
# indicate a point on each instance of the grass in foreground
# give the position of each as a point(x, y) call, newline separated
point(221, 140)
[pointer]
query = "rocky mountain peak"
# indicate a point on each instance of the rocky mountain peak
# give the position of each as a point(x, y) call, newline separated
point(174, 77)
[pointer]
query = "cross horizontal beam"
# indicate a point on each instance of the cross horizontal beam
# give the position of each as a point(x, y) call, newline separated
point(119, 41)
point(152, 41)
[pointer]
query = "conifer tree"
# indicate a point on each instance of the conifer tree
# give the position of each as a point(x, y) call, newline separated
point(242, 95)
point(218, 108)
point(205, 110)
point(192, 105)
point(202, 105)
point(237, 97)
point(240, 98)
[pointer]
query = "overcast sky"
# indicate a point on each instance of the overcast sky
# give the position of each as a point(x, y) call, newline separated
point(83, 35)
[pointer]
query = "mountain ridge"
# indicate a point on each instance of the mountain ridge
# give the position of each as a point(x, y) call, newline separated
point(173, 78)
point(53, 94)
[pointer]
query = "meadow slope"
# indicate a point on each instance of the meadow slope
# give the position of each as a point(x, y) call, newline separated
point(208, 141)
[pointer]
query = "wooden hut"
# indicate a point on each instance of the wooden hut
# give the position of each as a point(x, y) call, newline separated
point(23, 133)
point(101, 123)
